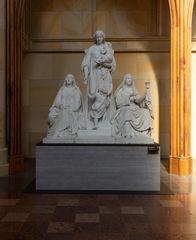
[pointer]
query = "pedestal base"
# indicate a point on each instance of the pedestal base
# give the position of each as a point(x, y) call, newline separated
point(98, 167)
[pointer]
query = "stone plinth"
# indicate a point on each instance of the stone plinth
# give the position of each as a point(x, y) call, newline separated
point(98, 167)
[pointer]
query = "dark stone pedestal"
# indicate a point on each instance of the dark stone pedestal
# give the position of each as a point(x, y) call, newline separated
point(98, 167)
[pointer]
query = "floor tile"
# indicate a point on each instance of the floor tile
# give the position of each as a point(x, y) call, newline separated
point(8, 202)
point(68, 202)
point(87, 209)
point(36, 217)
point(141, 229)
point(189, 229)
point(156, 237)
point(105, 202)
point(34, 230)
point(87, 217)
point(15, 217)
point(60, 227)
point(3, 211)
point(106, 210)
point(10, 236)
point(108, 196)
point(189, 237)
point(43, 209)
point(172, 203)
point(110, 224)
point(87, 227)
point(132, 210)
point(114, 236)
point(135, 218)
point(64, 214)
point(20, 209)
point(89, 202)
point(61, 196)
point(37, 199)
point(86, 236)
point(59, 236)
point(90, 196)
point(10, 227)
point(172, 228)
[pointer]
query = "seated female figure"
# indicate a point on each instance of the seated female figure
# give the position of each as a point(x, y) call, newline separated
point(133, 116)
point(64, 117)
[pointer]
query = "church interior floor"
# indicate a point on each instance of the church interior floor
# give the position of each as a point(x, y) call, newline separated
point(166, 215)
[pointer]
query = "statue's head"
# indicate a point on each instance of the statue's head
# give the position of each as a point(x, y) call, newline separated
point(99, 37)
point(69, 80)
point(128, 79)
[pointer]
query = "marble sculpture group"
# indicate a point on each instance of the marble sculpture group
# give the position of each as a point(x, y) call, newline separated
point(100, 116)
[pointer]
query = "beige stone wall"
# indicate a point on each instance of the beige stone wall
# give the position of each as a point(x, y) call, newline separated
point(3, 150)
point(62, 29)
point(80, 18)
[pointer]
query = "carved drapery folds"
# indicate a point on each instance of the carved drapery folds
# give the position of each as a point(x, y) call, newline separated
point(181, 21)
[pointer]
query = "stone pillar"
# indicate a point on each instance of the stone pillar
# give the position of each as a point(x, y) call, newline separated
point(180, 161)
point(14, 55)
point(4, 167)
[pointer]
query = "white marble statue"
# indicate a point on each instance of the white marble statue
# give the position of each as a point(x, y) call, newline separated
point(65, 115)
point(97, 67)
point(134, 114)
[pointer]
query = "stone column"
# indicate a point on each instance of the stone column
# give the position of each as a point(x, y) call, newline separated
point(181, 21)
point(14, 57)
point(4, 166)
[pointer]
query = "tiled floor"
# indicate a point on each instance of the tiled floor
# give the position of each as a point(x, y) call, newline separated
point(168, 215)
